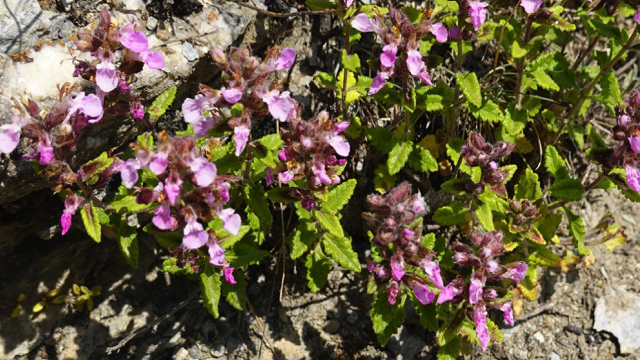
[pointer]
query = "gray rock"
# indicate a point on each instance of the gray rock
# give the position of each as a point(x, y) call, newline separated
point(218, 350)
point(405, 344)
point(538, 337)
point(194, 352)
point(555, 356)
point(20, 21)
point(331, 326)
point(233, 344)
point(152, 23)
point(189, 52)
point(619, 314)
point(182, 354)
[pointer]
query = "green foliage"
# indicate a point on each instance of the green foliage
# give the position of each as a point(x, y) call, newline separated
point(320, 5)
point(340, 250)
point(453, 214)
point(528, 187)
point(386, 318)
point(350, 62)
point(127, 238)
point(318, 269)
point(567, 189)
point(421, 160)
point(254, 196)
point(89, 214)
point(302, 238)
point(236, 294)
point(210, 289)
point(398, 156)
point(470, 87)
point(162, 102)
point(489, 112)
point(338, 197)
point(577, 231)
point(555, 163)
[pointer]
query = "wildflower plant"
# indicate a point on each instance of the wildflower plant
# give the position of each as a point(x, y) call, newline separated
point(485, 145)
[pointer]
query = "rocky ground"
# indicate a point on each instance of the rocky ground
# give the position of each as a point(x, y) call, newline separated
point(587, 312)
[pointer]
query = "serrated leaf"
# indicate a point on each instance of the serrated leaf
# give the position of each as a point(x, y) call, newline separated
point(90, 219)
point(243, 254)
point(485, 217)
point(257, 202)
point(429, 240)
point(162, 102)
point(528, 187)
point(445, 6)
point(577, 231)
point(379, 138)
point(567, 189)
point(610, 88)
point(318, 269)
point(541, 255)
point(127, 204)
point(329, 222)
point(529, 285)
point(382, 180)
point(470, 87)
point(350, 62)
point(544, 80)
point(489, 112)
point(453, 214)
point(577, 132)
point(386, 318)
point(351, 82)
point(170, 265)
point(451, 350)
point(421, 160)
point(426, 313)
point(339, 196)
point(340, 250)
point(302, 238)
point(230, 239)
point(549, 225)
point(398, 156)
point(554, 163)
point(515, 120)
point(127, 238)
point(90, 172)
point(210, 289)
point(236, 294)
point(523, 145)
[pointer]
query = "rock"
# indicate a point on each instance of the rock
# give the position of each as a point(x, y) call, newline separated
point(538, 337)
point(555, 356)
point(152, 23)
point(290, 350)
point(522, 354)
point(352, 316)
point(189, 52)
point(182, 354)
point(218, 350)
point(405, 344)
point(619, 314)
point(21, 21)
point(331, 326)
point(194, 352)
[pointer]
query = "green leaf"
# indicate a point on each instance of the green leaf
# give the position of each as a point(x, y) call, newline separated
point(320, 5)
point(255, 197)
point(544, 80)
point(351, 82)
point(127, 204)
point(318, 269)
point(489, 112)
point(230, 239)
point(485, 217)
point(529, 285)
point(170, 265)
point(350, 62)
point(610, 88)
point(210, 289)
point(340, 250)
point(281, 194)
point(528, 187)
point(243, 254)
point(329, 222)
point(236, 294)
point(90, 172)
point(454, 214)
point(90, 219)
point(451, 350)
point(379, 138)
point(455, 186)
point(554, 163)
point(429, 240)
point(127, 238)
point(162, 102)
point(445, 6)
point(567, 189)
point(398, 156)
point(541, 255)
point(576, 231)
point(595, 138)
point(339, 196)
point(302, 238)
point(421, 160)
point(470, 87)
point(427, 314)
point(515, 120)
point(577, 132)
point(387, 318)
point(549, 225)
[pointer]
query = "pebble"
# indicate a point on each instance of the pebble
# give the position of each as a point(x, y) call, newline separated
point(181, 354)
point(619, 314)
point(332, 326)
point(218, 351)
point(522, 354)
point(152, 23)
point(352, 316)
point(189, 52)
point(555, 356)
point(233, 344)
point(538, 337)
point(404, 345)
point(195, 352)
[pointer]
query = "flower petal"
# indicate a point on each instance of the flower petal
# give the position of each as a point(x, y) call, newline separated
point(440, 32)
point(241, 138)
point(232, 221)
point(154, 59)
point(133, 40)
point(423, 294)
point(287, 56)
point(633, 178)
point(530, 6)
point(9, 138)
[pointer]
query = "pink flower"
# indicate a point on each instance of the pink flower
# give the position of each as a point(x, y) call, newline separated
point(286, 177)
point(633, 178)
point(90, 105)
point(46, 151)
point(158, 163)
point(388, 56)
point(172, 187)
point(194, 234)
point(625, 120)
point(415, 64)
point(518, 270)
point(288, 56)
point(440, 32)
point(478, 13)
point(163, 219)
point(423, 294)
point(281, 106)
point(454, 32)
point(419, 206)
point(378, 82)
point(637, 17)
point(530, 6)
point(154, 59)
point(10, 134)
point(106, 77)
point(507, 311)
point(475, 290)
point(192, 109)
point(231, 220)
point(216, 254)
point(232, 95)
point(241, 137)
point(482, 331)
point(321, 175)
point(449, 292)
point(129, 173)
point(71, 204)
point(204, 171)
point(432, 269)
point(363, 24)
point(339, 144)
point(133, 40)
point(137, 110)
point(228, 275)
point(635, 144)
point(392, 290)
point(397, 267)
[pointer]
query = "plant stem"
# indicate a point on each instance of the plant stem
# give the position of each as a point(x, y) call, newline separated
point(593, 43)
point(456, 108)
point(527, 38)
point(587, 91)
point(347, 30)
point(586, 189)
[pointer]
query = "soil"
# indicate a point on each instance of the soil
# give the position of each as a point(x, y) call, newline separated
point(149, 314)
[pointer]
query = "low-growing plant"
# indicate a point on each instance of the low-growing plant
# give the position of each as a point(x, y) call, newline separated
point(210, 190)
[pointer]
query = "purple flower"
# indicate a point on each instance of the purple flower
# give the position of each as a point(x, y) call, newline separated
point(232, 95)
point(286, 177)
point(449, 292)
point(478, 13)
point(106, 77)
point(228, 275)
point(625, 121)
point(423, 294)
point(194, 234)
point(204, 171)
point(440, 32)
point(172, 187)
point(415, 64)
point(163, 219)
point(397, 267)
point(46, 151)
point(137, 110)
point(392, 290)
point(633, 178)
point(321, 175)
point(216, 254)
point(90, 105)
point(231, 220)
point(454, 33)
point(507, 311)
point(129, 173)
point(419, 206)
point(635, 143)
point(378, 82)
point(9, 136)
point(158, 163)
point(288, 55)
point(154, 59)
point(530, 6)
point(363, 24)
point(281, 106)
point(482, 331)
point(133, 40)
point(475, 290)
point(339, 144)
point(241, 137)
point(518, 270)
point(637, 17)
point(192, 109)
point(433, 271)
point(388, 56)
point(71, 204)
point(307, 204)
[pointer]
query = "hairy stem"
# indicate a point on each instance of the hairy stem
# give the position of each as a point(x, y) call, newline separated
point(527, 38)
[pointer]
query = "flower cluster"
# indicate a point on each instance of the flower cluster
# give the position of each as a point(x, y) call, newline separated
point(392, 221)
point(188, 190)
point(478, 152)
point(247, 84)
point(401, 38)
point(627, 133)
point(105, 43)
point(309, 152)
point(484, 289)
point(522, 216)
